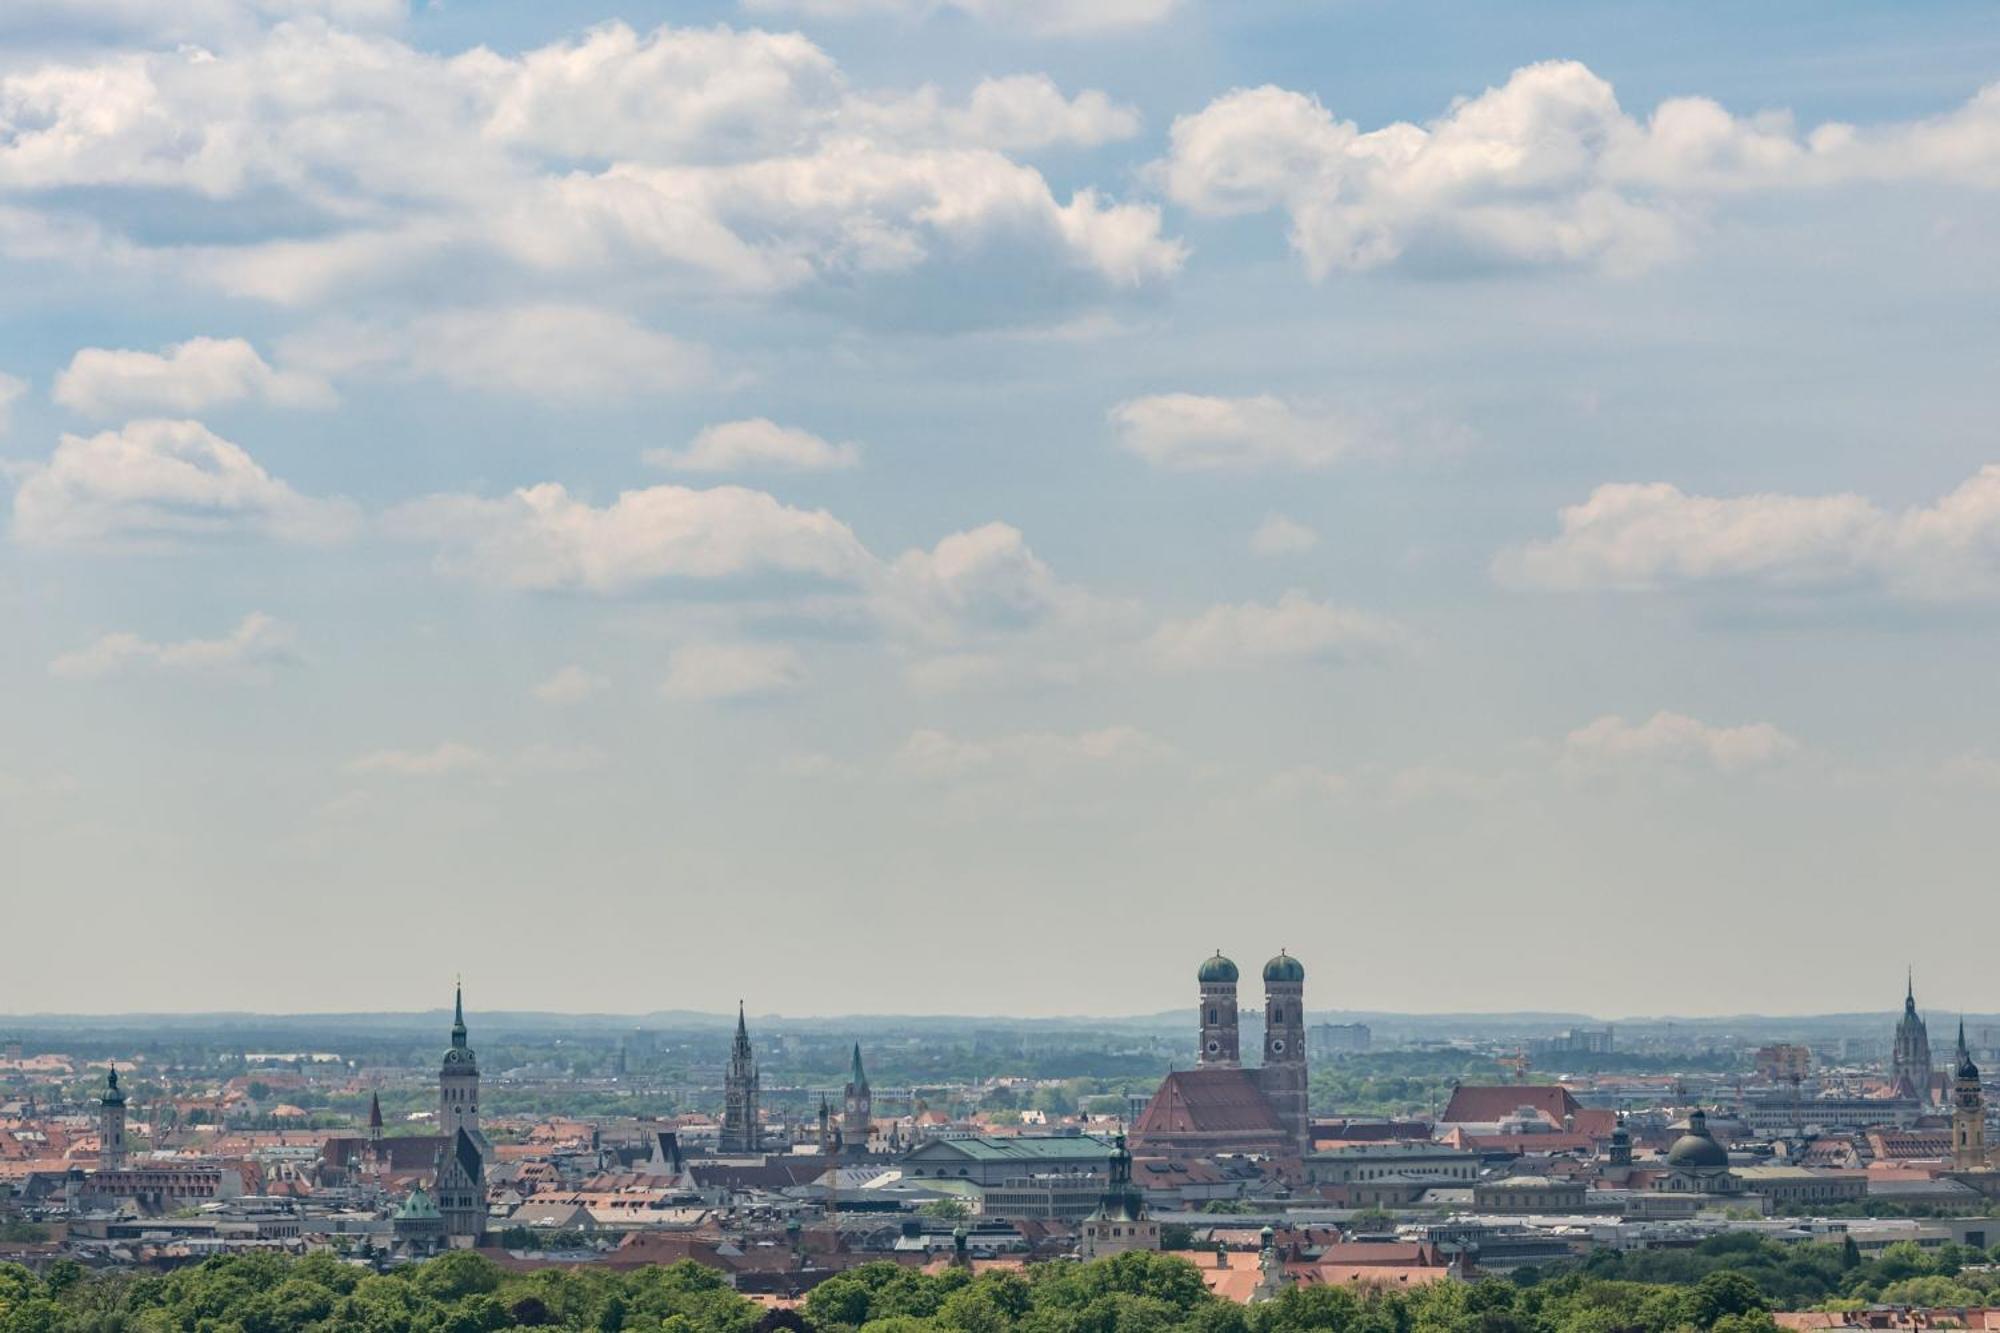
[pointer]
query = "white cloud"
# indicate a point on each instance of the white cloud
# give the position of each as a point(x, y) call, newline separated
point(684, 160)
point(184, 378)
point(1674, 738)
point(1635, 536)
point(1019, 112)
point(1189, 432)
point(541, 537)
point(456, 759)
point(160, 481)
point(712, 672)
point(937, 754)
point(570, 685)
point(1047, 17)
point(1194, 432)
point(983, 579)
point(11, 390)
point(247, 652)
point(1294, 628)
point(740, 446)
point(562, 353)
point(1546, 168)
point(441, 760)
point(1278, 535)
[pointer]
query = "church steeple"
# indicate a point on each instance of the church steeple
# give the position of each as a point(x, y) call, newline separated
point(458, 1016)
point(741, 1129)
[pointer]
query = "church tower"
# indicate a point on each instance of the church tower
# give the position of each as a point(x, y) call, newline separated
point(1218, 1014)
point(1968, 1112)
point(111, 1125)
point(1910, 1066)
point(1283, 1076)
point(740, 1128)
point(858, 1114)
point(458, 1080)
point(460, 1180)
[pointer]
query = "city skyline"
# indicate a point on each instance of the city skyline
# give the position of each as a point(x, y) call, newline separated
point(938, 505)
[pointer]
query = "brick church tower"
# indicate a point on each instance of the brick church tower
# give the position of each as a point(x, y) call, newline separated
point(1283, 1077)
point(1218, 1014)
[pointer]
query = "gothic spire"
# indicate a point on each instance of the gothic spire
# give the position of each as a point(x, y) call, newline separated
point(458, 1015)
point(1910, 992)
point(858, 1077)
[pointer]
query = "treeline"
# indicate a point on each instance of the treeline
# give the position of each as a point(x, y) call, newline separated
point(1728, 1284)
point(1822, 1276)
point(1134, 1293)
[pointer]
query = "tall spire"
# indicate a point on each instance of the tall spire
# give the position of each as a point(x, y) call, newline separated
point(1910, 992)
point(858, 1076)
point(458, 1014)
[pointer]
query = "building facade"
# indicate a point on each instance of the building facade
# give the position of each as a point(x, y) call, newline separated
point(1119, 1222)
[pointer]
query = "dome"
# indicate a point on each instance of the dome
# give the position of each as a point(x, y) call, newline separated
point(1217, 969)
point(1697, 1149)
point(1284, 968)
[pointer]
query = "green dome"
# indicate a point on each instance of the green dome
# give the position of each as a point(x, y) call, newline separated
point(1217, 969)
point(1697, 1149)
point(1284, 968)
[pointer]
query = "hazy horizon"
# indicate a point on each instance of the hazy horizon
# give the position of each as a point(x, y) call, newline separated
point(972, 505)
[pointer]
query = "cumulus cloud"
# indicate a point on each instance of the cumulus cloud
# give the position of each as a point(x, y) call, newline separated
point(713, 672)
point(983, 579)
point(562, 353)
point(183, 378)
point(1048, 17)
point(1278, 535)
point(570, 685)
point(1547, 168)
point(684, 159)
point(248, 652)
point(541, 537)
point(1636, 536)
point(936, 754)
point(1674, 738)
point(1294, 628)
point(759, 443)
point(160, 481)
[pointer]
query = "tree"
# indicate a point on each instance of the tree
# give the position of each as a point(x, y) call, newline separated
point(1724, 1293)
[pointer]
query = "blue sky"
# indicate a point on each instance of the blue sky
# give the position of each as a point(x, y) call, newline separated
point(975, 503)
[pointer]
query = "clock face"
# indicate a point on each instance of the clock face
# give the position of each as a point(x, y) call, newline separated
point(1214, 1046)
point(1278, 1046)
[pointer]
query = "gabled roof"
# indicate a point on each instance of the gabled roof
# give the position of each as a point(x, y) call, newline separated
point(1208, 1101)
point(1473, 1104)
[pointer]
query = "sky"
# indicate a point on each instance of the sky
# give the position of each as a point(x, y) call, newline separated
point(972, 505)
